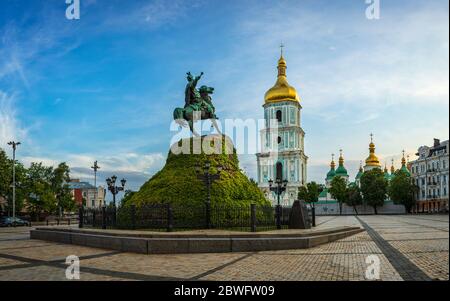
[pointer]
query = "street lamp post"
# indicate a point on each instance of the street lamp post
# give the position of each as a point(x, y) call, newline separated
point(95, 168)
point(14, 147)
point(208, 178)
point(278, 189)
point(115, 189)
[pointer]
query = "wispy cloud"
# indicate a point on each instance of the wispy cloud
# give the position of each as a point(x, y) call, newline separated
point(10, 127)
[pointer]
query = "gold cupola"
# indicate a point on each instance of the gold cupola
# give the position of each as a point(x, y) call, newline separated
point(281, 91)
point(372, 160)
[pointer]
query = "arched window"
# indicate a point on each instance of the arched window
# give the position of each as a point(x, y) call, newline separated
point(279, 139)
point(279, 171)
point(279, 116)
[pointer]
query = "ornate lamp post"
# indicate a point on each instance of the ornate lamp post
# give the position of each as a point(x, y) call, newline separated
point(113, 188)
point(208, 179)
point(95, 168)
point(278, 189)
point(14, 147)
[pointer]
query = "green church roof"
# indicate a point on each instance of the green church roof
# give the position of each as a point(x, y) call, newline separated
point(341, 171)
point(331, 174)
point(323, 194)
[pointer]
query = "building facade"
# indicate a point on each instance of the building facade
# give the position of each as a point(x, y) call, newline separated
point(430, 174)
point(328, 205)
point(282, 153)
point(86, 194)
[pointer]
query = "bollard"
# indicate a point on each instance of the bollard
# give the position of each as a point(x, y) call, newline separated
point(47, 222)
point(253, 217)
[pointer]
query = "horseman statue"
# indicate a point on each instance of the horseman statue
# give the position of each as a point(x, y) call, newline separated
point(198, 105)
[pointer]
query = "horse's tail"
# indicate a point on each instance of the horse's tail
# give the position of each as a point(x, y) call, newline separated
point(178, 113)
point(178, 116)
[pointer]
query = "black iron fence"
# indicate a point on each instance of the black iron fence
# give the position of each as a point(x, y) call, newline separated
point(166, 217)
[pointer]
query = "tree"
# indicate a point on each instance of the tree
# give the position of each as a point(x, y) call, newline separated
point(338, 191)
point(40, 195)
point(374, 188)
point(402, 190)
point(6, 181)
point(127, 196)
point(354, 197)
point(310, 192)
point(59, 179)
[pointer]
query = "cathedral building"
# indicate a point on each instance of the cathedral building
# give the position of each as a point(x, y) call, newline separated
point(282, 153)
point(328, 205)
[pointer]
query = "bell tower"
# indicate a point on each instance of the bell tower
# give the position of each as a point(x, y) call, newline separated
point(282, 141)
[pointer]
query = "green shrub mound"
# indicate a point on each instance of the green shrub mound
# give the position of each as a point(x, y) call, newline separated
point(177, 183)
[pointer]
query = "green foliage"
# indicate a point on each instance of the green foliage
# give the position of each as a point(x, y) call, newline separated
point(40, 188)
point(354, 197)
point(402, 190)
point(338, 191)
point(127, 197)
point(177, 183)
point(58, 181)
point(374, 188)
point(310, 192)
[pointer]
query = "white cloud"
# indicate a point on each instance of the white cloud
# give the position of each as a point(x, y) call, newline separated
point(10, 128)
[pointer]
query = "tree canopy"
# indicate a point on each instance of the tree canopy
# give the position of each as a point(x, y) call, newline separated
point(402, 190)
point(40, 188)
point(338, 191)
point(374, 188)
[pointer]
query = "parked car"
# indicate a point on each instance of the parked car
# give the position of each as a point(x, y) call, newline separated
point(6, 221)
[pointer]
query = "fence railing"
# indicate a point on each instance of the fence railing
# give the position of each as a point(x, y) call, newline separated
point(166, 217)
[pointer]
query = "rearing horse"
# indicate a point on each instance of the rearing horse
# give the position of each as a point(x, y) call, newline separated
point(198, 105)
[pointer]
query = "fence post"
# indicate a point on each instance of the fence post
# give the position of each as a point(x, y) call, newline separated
point(103, 217)
point(93, 218)
point(57, 221)
point(47, 221)
point(133, 217)
point(253, 217)
point(169, 218)
point(80, 217)
point(208, 215)
point(68, 222)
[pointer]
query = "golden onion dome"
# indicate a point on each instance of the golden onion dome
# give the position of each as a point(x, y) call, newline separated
point(281, 91)
point(372, 160)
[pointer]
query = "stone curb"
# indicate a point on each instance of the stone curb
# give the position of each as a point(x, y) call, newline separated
point(173, 245)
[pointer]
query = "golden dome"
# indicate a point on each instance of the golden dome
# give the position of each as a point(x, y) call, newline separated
point(372, 160)
point(281, 91)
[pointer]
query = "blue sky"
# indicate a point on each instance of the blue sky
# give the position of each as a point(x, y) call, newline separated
point(104, 87)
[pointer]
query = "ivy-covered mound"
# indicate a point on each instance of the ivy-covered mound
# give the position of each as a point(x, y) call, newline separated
point(177, 183)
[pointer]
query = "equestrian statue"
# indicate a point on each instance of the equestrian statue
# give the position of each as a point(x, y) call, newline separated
point(198, 104)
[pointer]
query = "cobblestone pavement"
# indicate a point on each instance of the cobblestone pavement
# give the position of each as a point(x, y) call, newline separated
point(407, 247)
